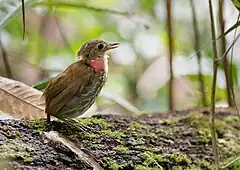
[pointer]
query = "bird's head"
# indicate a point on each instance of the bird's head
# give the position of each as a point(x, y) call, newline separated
point(95, 49)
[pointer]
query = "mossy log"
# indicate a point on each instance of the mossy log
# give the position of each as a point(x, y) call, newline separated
point(177, 140)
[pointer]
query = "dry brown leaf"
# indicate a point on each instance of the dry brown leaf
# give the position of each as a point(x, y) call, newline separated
point(20, 100)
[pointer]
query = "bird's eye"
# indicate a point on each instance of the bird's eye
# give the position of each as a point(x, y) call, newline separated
point(100, 46)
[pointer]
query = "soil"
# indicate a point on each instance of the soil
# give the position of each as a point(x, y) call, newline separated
point(174, 140)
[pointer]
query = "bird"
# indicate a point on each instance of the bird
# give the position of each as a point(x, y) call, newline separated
point(72, 92)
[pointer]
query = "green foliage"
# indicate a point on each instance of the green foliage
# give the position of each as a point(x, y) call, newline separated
point(42, 85)
point(11, 8)
point(236, 4)
point(220, 93)
point(39, 124)
point(16, 150)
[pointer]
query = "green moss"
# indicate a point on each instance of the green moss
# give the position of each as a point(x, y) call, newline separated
point(111, 164)
point(177, 168)
point(152, 159)
point(39, 124)
point(95, 121)
point(114, 166)
point(136, 125)
point(203, 163)
point(155, 160)
point(5, 127)
point(188, 168)
point(134, 134)
point(11, 133)
point(92, 136)
point(152, 135)
point(116, 134)
point(197, 121)
point(16, 134)
point(235, 165)
point(28, 159)
point(233, 120)
point(164, 132)
point(141, 167)
point(204, 135)
point(73, 137)
point(14, 149)
point(169, 122)
point(227, 130)
point(179, 158)
point(200, 121)
point(121, 149)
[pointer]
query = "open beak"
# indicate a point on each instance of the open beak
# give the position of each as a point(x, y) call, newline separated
point(112, 46)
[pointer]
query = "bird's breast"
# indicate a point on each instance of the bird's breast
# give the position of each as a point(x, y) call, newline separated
point(100, 64)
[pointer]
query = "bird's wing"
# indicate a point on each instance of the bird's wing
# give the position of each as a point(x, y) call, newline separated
point(62, 88)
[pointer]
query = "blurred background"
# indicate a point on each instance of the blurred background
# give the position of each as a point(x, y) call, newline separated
point(139, 69)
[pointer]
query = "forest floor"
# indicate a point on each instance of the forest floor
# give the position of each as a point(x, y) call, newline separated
point(174, 140)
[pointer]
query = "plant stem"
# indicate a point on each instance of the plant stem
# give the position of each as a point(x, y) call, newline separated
point(223, 49)
point(23, 18)
point(170, 46)
point(199, 56)
point(215, 69)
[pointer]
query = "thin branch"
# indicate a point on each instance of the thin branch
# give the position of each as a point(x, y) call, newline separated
point(5, 60)
point(82, 153)
point(215, 69)
point(199, 56)
point(170, 51)
point(223, 49)
point(159, 166)
point(80, 5)
point(23, 18)
point(236, 25)
point(227, 51)
point(230, 69)
point(231, 163)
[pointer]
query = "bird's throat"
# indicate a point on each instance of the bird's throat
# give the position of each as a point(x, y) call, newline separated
point(97, 64)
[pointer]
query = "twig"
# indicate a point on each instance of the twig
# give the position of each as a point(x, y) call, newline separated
point(5, 60)
point(23, 18)
point(220, 60)
point(199, 56)
point(231, 83)
point(159, 166)
point(236, 25)
point(215, 69)
point(230, 163)
point(81, 152)
point(170, 52)
point(223, 49)
point(79, 5)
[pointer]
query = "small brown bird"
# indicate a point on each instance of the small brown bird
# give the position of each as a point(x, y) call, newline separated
point(74, 91)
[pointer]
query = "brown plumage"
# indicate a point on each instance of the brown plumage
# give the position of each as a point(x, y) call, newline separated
point(73, 91)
